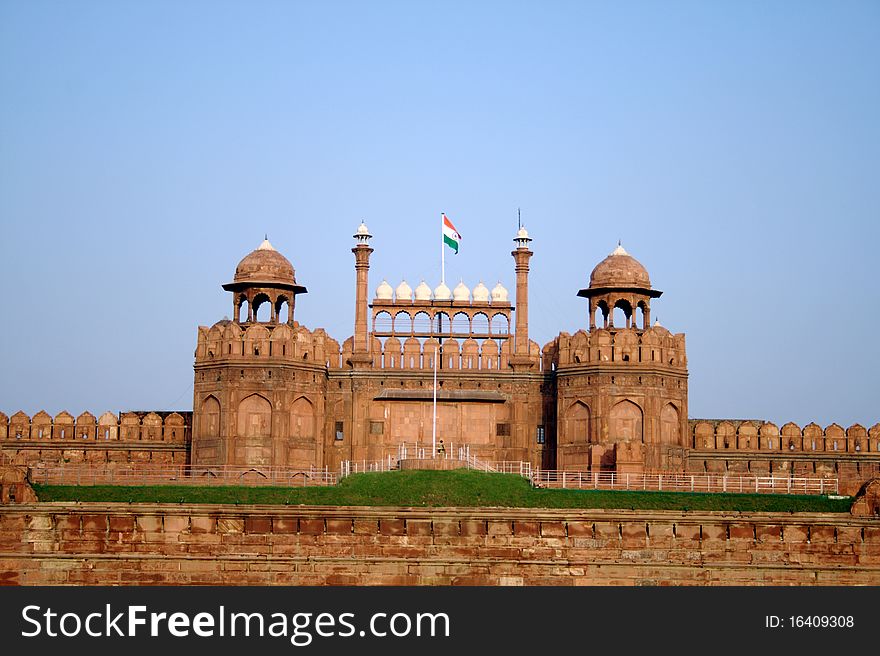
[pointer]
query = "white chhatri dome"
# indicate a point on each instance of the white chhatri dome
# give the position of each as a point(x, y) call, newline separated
point(481, 293)
point(362, 229)
point(522, 233)
point(442, 292)
point(499, 294)
point(404, 292)
point(384, 291)
point(423, 292)
point(461, 292)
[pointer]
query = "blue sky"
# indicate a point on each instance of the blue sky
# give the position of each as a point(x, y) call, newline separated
point(733, 147)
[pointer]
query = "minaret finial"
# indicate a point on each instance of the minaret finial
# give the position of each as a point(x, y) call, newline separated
point(519, 217)
point(266, 236)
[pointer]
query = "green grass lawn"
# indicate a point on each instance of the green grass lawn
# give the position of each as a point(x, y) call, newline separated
point(445, 488)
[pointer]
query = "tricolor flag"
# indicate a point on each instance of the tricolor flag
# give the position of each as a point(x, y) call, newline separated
point(450, 234)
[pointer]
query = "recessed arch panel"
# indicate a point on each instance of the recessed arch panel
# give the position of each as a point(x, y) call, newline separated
point(670, 425)
point(210, 417)
point(625, 422)
point(255, 417)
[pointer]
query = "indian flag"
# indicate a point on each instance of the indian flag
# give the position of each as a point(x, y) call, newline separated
point(450, 234)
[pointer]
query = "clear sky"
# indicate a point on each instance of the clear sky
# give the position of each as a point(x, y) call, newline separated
point(734, 148)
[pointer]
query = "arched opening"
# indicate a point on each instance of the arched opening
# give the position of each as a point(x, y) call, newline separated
point(242, 309)
point(402, 323)
point(282, 309)
point(441, 323)
point(383, 323)
point(622, 314)
point(480, 324)
point(422, 323)
point(500, 324)
point(600, 317)
point(642, 310)
point(262, 308)
point(625, 422)
point(461, 323)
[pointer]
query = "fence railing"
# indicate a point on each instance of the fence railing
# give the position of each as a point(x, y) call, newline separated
point(677, 482)
point(146, 474)
point(422, 451)
point(348, 467)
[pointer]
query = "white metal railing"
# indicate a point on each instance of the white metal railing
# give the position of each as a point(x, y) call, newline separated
point(348, 467)
point(421, 451)
point(518, 467)
point(683, 482)
point(148, 474)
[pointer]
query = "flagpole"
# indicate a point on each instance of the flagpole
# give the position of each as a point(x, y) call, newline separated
point(434, 425)
point(442, 254)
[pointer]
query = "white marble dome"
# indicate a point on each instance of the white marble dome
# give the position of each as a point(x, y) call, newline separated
point(481, 293)
point(423, 292)
point(403, 292)
point(499, 294)
point(384, 292)
point(442, 292)
point(461, 292)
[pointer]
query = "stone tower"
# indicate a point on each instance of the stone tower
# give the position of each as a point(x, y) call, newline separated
point(259, 377)
point(360, 356)
point(521, 358)
point(621, 389)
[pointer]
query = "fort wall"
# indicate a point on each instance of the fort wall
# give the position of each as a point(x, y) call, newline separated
point(851, 455)
point(140, 437)
point(765, 436)
point(138, 544)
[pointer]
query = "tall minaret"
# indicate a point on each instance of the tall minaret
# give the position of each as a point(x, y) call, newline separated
point(361, 352)
point(521, 255)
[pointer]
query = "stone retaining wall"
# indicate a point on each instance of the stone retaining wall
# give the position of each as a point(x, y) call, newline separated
point(111, 543)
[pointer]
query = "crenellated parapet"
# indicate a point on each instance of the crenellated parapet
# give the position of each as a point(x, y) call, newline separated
point(764, 436)
point(654, 346)
point(63, 428)
point(227, 341)
point(486, 356)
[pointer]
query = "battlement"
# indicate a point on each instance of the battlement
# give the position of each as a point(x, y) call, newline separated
point(168, 427)
point(471, 355)
point(757, 435)
point(229, 340)
point(472, 346)
point(653, 346)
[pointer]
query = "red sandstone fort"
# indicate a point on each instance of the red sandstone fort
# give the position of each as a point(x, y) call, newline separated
point(270, 393)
